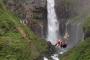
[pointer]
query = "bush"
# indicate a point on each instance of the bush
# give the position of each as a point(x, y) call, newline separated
point(6, 26)
point(13, 47)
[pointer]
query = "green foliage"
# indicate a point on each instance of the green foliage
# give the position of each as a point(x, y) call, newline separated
point(6, 26)
point(87, 24)
point(12, 45)
point(38, 46)
point(82, 52)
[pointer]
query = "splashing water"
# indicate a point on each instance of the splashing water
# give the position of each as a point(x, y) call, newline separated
point(55, 57)
point(53, 25)
point(45, 58)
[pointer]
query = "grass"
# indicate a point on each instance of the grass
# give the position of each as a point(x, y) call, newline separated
point(13, 47)
point(17, 41)
point(82, 52)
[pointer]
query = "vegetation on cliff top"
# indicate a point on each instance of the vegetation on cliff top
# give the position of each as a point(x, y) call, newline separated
point(17, 42)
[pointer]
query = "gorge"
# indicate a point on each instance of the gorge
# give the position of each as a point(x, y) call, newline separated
point(40, 21)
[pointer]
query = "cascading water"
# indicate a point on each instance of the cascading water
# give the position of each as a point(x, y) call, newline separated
point(73, 27)
point(53, 25)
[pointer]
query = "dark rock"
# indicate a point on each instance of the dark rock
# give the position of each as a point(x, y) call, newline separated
point(86, 35)
point(30, 11)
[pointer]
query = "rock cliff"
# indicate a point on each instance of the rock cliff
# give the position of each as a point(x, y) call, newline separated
point(32, 12)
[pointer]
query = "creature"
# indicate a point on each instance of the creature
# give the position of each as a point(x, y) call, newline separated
point(62, 42)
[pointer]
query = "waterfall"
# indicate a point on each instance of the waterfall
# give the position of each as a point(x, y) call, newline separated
point(74, 28)
point(53, 24)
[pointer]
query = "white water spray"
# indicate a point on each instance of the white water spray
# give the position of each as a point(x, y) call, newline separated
point(45, 58)
point(53, 24)
point(55, 57)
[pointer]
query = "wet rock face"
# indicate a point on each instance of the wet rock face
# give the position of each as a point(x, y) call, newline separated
point(65, 9)
point(69, 9)
point(32, 12)
point(40, 3)
point(40, 17)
